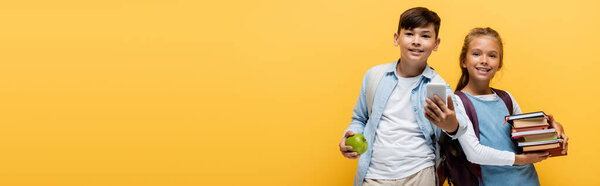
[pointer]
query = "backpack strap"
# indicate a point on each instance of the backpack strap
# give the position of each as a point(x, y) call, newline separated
point(509, 105)
point(470, 109)
point(506, 98)
point(472, 114)
point(373, 78)
point(461, 171)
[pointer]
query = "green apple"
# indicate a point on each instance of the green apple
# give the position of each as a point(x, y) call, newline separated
point(358, 143)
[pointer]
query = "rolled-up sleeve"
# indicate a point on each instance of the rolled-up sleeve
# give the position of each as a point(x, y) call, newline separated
point(359, 114)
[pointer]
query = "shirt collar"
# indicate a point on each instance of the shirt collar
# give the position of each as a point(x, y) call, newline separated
point(428, 72)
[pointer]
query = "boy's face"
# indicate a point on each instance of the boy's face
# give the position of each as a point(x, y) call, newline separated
point(416, 44)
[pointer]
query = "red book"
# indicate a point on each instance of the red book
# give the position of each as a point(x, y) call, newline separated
point(555, 149)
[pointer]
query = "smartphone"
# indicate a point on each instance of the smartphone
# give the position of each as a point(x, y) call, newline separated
point(437, 89)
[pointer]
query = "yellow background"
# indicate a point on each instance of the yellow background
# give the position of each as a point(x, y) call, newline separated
point(254, 92)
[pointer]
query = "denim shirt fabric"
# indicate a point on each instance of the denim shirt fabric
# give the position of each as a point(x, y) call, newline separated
point(362, 123)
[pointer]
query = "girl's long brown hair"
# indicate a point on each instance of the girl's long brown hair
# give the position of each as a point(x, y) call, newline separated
point(474, 33)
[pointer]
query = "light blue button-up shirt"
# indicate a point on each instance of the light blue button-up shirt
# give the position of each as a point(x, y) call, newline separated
point(362, 123)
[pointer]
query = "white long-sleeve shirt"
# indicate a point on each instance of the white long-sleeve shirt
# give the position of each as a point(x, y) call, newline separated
point(481, 154)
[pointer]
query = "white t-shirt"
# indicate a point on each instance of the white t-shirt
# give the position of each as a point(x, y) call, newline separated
point(481, 154)
point(400, 148)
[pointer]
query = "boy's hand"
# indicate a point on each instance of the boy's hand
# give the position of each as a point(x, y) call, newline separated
point(440, 115)
point(527, 158)
point(346, 149)
point(560, 131)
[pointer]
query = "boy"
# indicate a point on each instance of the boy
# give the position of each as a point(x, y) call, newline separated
point(403, 147)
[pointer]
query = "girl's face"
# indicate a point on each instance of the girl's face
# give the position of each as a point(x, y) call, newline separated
point(483, 58)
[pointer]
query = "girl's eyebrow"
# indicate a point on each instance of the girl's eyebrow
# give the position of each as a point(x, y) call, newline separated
point(473, 48)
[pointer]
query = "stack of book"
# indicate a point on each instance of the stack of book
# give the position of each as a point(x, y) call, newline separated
point(534, 134)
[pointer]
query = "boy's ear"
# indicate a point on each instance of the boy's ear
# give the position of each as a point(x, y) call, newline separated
point(437, 43)
point(396, 37)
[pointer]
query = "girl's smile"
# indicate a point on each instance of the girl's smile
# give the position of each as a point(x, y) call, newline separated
point(482, 60)
point(483, 70)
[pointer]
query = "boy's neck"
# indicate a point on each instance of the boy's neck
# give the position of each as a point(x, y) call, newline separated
point(407, 70)
point(478, 88)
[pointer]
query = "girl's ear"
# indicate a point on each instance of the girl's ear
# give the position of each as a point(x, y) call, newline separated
point(462, 64)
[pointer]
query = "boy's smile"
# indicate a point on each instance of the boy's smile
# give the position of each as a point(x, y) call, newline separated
point(415, 51)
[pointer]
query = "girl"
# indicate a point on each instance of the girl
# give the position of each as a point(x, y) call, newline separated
point(480, 59)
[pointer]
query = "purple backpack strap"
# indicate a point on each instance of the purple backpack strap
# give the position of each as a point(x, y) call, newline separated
point(470, 109)
point(472, 114)
point(506, 98)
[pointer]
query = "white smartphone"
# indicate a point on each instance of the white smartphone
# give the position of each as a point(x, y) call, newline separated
point(437, 89)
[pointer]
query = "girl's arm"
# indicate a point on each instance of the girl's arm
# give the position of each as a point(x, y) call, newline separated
point(481, 154)
point(485, 155)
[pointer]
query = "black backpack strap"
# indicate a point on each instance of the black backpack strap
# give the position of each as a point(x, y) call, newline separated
point(506, 98)
point(470, 109)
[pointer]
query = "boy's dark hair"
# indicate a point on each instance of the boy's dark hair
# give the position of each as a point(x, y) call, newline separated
point(419, 17)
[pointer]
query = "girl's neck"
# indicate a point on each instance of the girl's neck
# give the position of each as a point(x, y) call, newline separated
point(478, 88)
